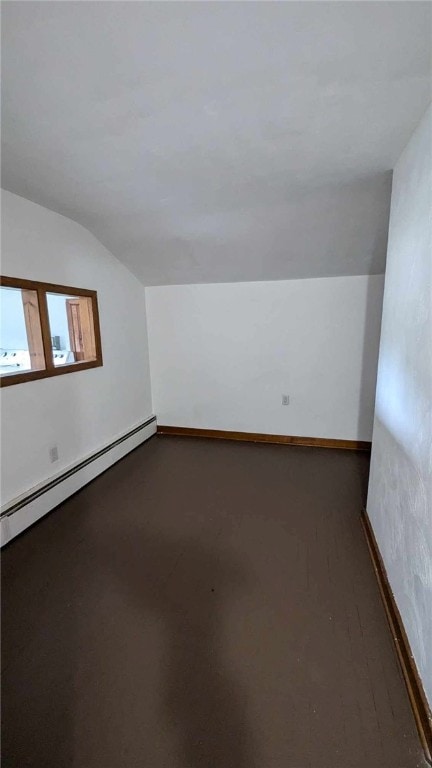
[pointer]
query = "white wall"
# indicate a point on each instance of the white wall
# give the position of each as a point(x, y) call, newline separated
point(400, 490)
point(81, 411)
point(222, 355)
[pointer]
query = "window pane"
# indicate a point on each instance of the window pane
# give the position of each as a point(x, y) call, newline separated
point(21, 347)
point(72, 330)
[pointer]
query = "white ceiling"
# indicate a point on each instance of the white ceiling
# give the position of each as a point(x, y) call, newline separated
point(205, 142)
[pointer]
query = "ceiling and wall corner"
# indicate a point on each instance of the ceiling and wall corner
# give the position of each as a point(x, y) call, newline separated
point(216, 142)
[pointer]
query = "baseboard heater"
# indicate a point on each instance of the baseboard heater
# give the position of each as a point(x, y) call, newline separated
point(19, 514)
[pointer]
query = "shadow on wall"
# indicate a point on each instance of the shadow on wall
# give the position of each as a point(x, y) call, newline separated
point(369, 364)
point(379, 248)
point(371, 339)
point(64, 705)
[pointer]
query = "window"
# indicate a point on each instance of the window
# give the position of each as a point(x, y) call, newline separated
point(46, 330)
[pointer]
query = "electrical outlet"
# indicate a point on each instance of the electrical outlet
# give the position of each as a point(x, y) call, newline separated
point(53, 453)
point(285, 399)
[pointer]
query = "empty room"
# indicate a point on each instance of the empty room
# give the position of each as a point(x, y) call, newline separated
point(216, 384)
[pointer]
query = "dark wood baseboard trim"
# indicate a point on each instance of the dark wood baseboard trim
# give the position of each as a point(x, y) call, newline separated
point(258, 437)
point(419, 703)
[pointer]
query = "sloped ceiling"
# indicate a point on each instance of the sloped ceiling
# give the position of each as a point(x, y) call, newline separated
point(206, 142)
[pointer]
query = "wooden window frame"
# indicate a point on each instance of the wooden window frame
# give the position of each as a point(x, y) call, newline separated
point(41, 290)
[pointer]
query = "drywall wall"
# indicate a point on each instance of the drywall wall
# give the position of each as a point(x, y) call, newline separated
point(223, 355)
point(82, 411)
point(400, 489)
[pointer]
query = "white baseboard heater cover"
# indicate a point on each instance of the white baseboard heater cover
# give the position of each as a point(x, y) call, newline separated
point(28, 508)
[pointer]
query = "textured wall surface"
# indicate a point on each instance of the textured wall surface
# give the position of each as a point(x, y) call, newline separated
point(400, 491)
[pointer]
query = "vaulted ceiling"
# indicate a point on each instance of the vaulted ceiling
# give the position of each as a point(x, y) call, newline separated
point(205, 142)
